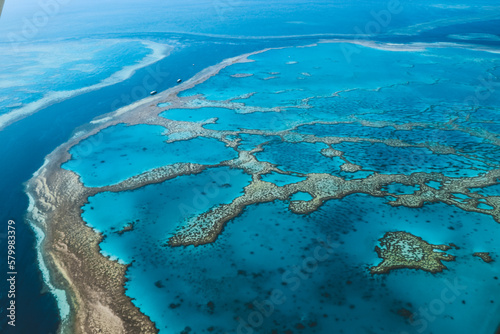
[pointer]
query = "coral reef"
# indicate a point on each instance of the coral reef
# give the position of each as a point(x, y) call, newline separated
point(404, 250)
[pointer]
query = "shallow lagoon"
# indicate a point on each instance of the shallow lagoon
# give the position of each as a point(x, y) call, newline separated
point(281, 179)
point(393, 160)
point(217, 287)
point(261, 250)
point(120, 152)
point(300, 157)
point(230, 120)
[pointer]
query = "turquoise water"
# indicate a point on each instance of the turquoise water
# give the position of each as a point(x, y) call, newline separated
point(373, 74)
point(461, 141)
point(488, 191)
point(87, 42)
point(265, 250)
point(113, 155)
point(284, 155)
point(158, 210)
point(227, 119)
point(347, 130)
point(261, 251)
point(394, 160)
point(301, 196)
point(281, 179)
point(292, 77)
point(249, 142)
point(36, 77)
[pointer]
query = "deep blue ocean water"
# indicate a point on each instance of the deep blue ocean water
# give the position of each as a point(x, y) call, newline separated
point(53, 59)
point(28, 141)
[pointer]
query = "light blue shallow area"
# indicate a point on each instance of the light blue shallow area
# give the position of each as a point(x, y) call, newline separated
point(157, 210)
point(216, 288)
point(281, 179)
point(485, 206)
point(268, 250)
point(301, 196)
point(434, 184)
point(369, 79)
point(121, 151)
point(285, 77)
point(40, 69)
point(190, 115)
point(493, 190)
point(393, 160)
point(230, 120)
point(299, 157)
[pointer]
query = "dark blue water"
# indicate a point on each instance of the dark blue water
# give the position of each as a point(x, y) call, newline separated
point(24, 145)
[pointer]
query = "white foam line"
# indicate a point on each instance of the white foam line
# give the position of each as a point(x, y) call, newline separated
point(100, 120)
point(60, 295)
point(475, 37)
point(35, 174)
point(160, 51)
point(266, 37)
point(409, 47)
point(379, 46)
point(228, 62)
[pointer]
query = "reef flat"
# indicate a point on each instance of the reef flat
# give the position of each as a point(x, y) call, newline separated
point(205, 156)
point(485, 256)
point(404, 250)
point(94, 284)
